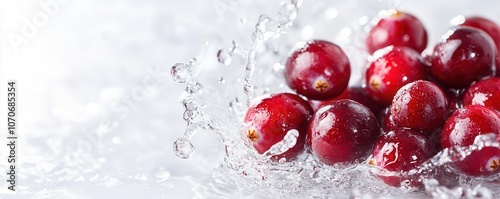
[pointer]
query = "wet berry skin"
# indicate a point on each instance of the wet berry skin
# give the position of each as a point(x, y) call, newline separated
point(342, 132)
point(390, 69)
point(420, 105)
point(463, 56)
point(462, 127)
point(491, 28)
point(401, 150)
point(399, 29)
point(484, 92)
point(319, 70)
point(358, 94)
point(269, 120)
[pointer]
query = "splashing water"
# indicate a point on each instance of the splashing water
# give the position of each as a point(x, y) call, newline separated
point(245, 173)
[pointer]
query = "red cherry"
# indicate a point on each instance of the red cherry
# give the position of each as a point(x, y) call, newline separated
point(491, 28)
point(269, 120)
point(399, 29)
point(484, 92)
point(342, 132)
point(401, 150)
point(319, 70)
point(462, 127)
point(390, 69)
point(358, 94)
point(420, 105)
point(463, 56)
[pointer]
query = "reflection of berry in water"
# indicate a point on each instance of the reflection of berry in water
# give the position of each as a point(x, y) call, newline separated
point(270, 119)
point(462, 127)
point(319, 70)
point(342, 132)
point(398, 29)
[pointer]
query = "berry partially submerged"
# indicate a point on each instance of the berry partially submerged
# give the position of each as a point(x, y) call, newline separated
point(342, 132)
point(401, 150)
point(399, 29)
point(390, 69)
point(462, 127)
point(269, 120)
point(420, 105)
point(319, 70)
point(463, 56)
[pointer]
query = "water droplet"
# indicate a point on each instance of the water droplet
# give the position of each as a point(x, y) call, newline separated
point(183, 148)
point(162, 175)
point(181, 73)
point(221, 80)
point(194, 87)
point(287, 13)
point(224, 57)
point(116, 140)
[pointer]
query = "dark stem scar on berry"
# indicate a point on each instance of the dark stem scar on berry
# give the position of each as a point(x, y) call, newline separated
point(252, 135)
point(494, 164)
point(375, 83)
point(321, 85)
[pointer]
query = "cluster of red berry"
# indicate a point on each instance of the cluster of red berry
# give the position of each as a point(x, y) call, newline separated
point(410, 107)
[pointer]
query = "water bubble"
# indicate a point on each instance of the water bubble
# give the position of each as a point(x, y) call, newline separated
point(181, 73)
point(162, 175)
point(224, 57)
point(183, 148)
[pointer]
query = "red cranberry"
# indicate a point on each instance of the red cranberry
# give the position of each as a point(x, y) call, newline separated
point(399, 29)
point(390, 69)
point(462, 57)
point(388, 123)
point(485, 92)
point(342, 132)
point(488, 26)
point(269, 120)
point(319, 70)
point(401, 150)
point(420, 105)
point(462, 127)
point(358, 94)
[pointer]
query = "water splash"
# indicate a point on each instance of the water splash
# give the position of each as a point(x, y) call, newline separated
point(244, 170)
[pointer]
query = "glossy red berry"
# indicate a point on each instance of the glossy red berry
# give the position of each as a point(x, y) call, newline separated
point(399, 151)
point(387, 122)
point(342, 132)
point(420, 105)
point(399, 29)
point(484, 92)
point(358, 94)
point(319, 70)
point(463, 56)
point(390, 69)
point(488, 26)
point(268, 121)
point(462, 127)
